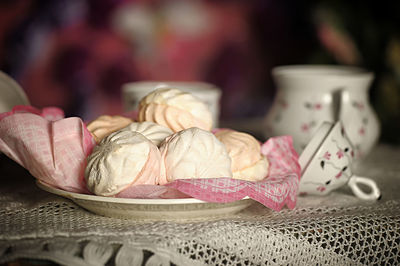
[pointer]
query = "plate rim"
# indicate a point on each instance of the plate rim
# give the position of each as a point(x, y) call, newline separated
point(78, 196)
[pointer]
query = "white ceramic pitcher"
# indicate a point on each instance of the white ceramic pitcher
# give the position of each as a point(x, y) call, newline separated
point(308, 95)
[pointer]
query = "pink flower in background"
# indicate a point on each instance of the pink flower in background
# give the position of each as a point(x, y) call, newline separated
point(338, 43)
point(80, 66)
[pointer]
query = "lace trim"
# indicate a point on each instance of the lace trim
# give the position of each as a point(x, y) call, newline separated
point(66, 234)
point(90, 253)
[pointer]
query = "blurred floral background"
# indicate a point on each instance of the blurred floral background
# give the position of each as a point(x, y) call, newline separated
point(76, 54)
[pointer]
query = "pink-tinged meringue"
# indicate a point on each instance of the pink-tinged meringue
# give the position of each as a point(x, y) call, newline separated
point(175, 109)
point(154, 132)
point(105, 125)
point(245, 151)
point(123, 159)
point(194, 153)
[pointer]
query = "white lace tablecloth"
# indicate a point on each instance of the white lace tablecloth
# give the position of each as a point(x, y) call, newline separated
point(335, 230)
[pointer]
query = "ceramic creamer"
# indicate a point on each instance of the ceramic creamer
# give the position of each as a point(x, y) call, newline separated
point(307, 95)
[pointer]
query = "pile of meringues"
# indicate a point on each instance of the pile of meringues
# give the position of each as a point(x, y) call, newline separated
point(170, 140)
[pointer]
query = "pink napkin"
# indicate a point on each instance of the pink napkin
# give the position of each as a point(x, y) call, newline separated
point(51, 148)
point(50, 113)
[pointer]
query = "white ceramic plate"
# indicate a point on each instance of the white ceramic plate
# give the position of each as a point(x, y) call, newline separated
point(11, 93)
point(187, 208)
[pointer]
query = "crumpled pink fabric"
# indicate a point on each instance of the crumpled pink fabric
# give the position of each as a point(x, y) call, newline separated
point(52, 148)
point(50, 113)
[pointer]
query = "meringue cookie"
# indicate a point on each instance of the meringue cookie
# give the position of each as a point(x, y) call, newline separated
point(175, 109)
point(194, 153)
point(122, 159)
point(256, 172)
point(154, 132)
point(104, 125)
point(245, 151)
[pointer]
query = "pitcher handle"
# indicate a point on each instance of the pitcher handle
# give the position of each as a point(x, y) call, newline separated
point(375, 193)
point(337, 99)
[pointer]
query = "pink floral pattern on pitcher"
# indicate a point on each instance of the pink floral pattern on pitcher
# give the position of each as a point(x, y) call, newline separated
point(282, 105)
point(360, 108)
point(309, 126)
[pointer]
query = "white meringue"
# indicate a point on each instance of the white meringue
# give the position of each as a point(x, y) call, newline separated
point(175, 109)
point(122, 159)
point(194, 153)
point(154, 132)
point(104, 125)
point(245, 151)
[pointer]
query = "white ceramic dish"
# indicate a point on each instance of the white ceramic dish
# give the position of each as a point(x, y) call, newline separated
point(133, 92)
point(186, 208)
point(308, 95)
point(11, 93)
